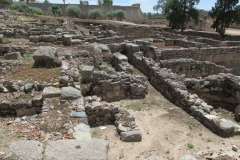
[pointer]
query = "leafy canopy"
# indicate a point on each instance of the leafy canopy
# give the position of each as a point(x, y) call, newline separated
point(73, 11)
point(178, 12)
point(6, 2)
point(224, 13)
point(96, 13)
point(107, 2)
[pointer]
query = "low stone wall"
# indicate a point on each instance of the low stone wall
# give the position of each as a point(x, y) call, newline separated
point(113, 86)
point(221, 88)
point(14, 104)
point(224, 56)
point(5, 48)
point(171, 86)
point(191, 68)
point(120, 63)
point(102, 113)
point(184, 43)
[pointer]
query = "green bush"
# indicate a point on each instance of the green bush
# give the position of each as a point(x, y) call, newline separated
point(120, 14)
point(55, 9)
point(73, 11)
point(36, 10)
point(111, 15)
point(20, 7)
point(96, 13)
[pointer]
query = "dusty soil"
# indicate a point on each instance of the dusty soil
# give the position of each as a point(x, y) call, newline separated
point(233, 31)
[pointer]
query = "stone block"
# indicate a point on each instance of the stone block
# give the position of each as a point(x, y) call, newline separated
point(87, 71)
point(51, 92)
point(12, 56)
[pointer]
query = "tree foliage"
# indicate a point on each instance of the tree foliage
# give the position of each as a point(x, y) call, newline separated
point(111, 15)
point(178, 12)
point(223, 14)
point(55, 9)
point(18, 6)
point(107, 2)
point(6, 2)
point(73, 11)
point(36, 10)
point(96, 13)
point(120, 14)
point(100, 2)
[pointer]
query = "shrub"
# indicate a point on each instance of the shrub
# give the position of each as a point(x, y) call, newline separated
point(55, 9)
point(35, 10)
point(94, 14)
point(111, 15)
point(120, 14)
point(73, 11)
point(20, 7)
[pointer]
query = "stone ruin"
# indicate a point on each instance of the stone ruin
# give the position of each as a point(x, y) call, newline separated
point(200, 76)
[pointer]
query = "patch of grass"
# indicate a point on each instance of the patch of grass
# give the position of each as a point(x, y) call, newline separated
point(189, 135)
point(107, 64)
point(190, 146)
point(167, 152)
point(209, 140)
point(94, 133)
point(127, 106)
point(6, 131)
point(28, 55)
point(190, 125)
point(208, 147)
point(80, 72)
point(106, 137)
point(200, 134)
point(121, 156)
point(19, 135)
point(1, 137)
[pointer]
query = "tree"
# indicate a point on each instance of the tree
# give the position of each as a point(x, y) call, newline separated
point(94, 14)
point(107, 2)
point(223, 14)
point(178, 12)
point(100, 2)
point(111, 15)
point(73, 11)
point(46, 1)
point(120, 14)
point(55, 9)
point(237, 14)
point(6, 2)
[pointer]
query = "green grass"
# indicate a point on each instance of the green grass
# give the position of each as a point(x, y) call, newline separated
point(190, 146)
point(19, 135)
point(121, 156)
point(209, 140)
point(167, 152)
point(5, 131)
point(200, 134)
point(107, 64)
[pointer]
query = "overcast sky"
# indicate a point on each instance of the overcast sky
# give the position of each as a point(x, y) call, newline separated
point(146, 5)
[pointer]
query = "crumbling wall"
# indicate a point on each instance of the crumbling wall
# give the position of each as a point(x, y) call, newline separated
point(113, 86)
point(192, 68)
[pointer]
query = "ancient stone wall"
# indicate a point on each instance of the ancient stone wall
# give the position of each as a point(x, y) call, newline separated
point(132, 13)
point(224, 56)
point(173, 88)
point(221, 88)
point(113, 86)
point(192, 68)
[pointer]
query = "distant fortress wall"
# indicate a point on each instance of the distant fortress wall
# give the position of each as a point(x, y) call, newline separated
point(132, 13)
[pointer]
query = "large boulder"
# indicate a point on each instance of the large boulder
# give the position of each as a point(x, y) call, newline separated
point(46, 56)
point(131, 136)
point(70, 93)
